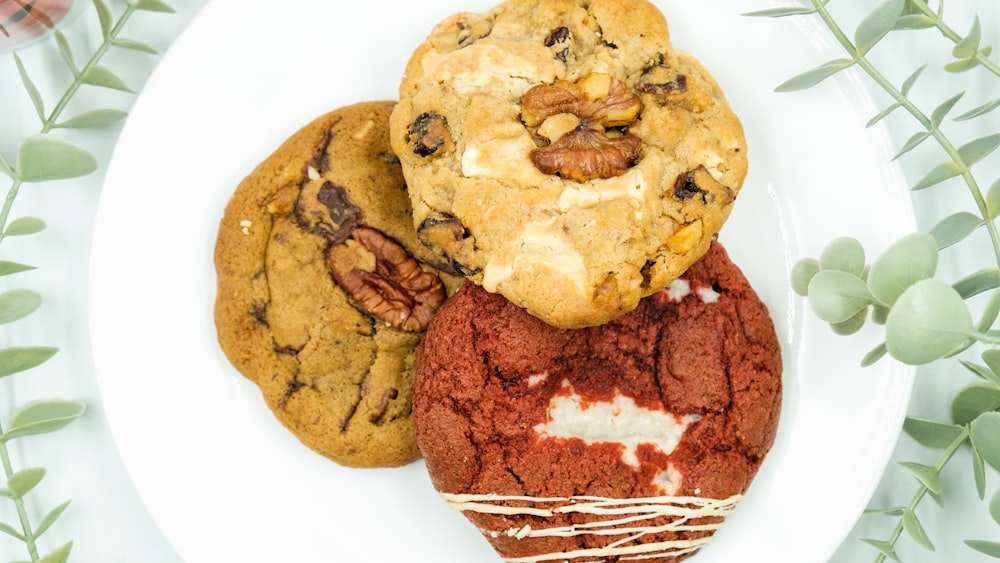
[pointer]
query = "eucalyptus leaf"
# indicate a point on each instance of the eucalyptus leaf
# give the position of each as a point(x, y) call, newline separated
point(915, 21)
point(5, 168)
point(880, 313)
point(815, 76)
point(802, 272)
point(883, 547)
point(101, 76)
point(969, 45)
point(44, 157)
point(891, 511)
point(133, 45)
point(152, 6)
point(913, 527)
point(42, 417)
point(105, 17)
point(995, 507)
point(782, 12)
point(937, 435)
point(24, 226)
point(876, 24)
point(990, 313)
point(882, 114)
point(927, 322)
point(66, 52)
point(955, 228)
point(938, 174)
point(50, 519)
point(982, 372)
point(845, 254)
point(979, 110)
point(979, 474)
point(57, 555)
point(974, 400)
point(910, 259)
point(912, 143)
point(93, 118)
point(992, 359)
point(940, 112)
point(978, 282)
point(990, 548)
point(21, 482)
point(962, 65)
point(29, 86)
point(17, 304)
point(974, 151)
point(11, 531)
point(836, 296)
point(985, 434)
point(851, 325)
point(876, 354)
point(911, 80)
point(993, 200)
point(928, 476)
point(7, 267)
point(21, 358)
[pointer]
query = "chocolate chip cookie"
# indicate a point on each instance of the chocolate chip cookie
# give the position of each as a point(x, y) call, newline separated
point(324, 291)
point(564, 154)
point(637, 437)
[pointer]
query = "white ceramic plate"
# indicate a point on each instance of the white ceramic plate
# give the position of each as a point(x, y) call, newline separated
point(226, 483)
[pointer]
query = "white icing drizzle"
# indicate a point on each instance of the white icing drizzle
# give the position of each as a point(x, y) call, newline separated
point(628, 515)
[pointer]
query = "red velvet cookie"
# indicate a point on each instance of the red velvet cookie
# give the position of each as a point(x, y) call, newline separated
point(632, 439)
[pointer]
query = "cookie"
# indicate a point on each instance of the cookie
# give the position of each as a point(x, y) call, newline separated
point(324, 291)
point(563, 154)
point(635, 438)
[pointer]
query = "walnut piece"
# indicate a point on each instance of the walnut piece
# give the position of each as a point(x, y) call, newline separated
point(379, 274)
point(591, 146)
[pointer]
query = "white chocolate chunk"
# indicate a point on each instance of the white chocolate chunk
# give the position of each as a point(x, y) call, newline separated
point(631, 184)
point(539, 246)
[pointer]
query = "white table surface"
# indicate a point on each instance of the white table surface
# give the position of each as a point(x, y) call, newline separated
point(106, 519)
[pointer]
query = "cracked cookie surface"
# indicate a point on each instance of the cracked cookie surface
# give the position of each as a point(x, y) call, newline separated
point(563, 154)
point(679, 398)
point(323, 290)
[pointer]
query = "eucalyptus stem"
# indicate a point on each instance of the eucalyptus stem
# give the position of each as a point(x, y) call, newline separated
point(903, 101)
point(922, 490)
point(951, 34)
point(22, 513)
point(8, 203)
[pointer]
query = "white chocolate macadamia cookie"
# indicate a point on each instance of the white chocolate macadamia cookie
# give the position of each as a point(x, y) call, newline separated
point(563, 154)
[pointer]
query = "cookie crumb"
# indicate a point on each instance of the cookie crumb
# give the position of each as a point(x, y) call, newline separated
point(245, 225)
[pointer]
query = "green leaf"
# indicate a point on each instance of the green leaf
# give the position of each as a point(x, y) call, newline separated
point(93, 118)
point(955, 228)
point(912, 143)
point(5, 168)
point(815, 76)
point(7, 268)
point(105, 17)
point(66, 52)
point(911, 80)
point(23, 481)
point(17, 304)
point(29, 86)
point(44, 157)
point(938, 174)
point(990, 548)
point(883, 547)
point(152, 6)
point(50, 519)
point(979, 474)
point(915, 21)
point(24, 226)
point(891, 511)
point(845, 254)
point(15, 359)
point(836, 296)
point(10, 531)
point(927, 322)
point(927, 475)
point(909, 260)
point(880, 313)
point(993, 200)
point(932, 434)
point(969, 45)
point(802, 272)
point(990, 313)
point(876, 354)
point(974, 151)
point(992, 359)
point(781, 12)
point(979, 282)
point(57, 555)
point(882, 114)
point(876, 24)
point(962, 66)
point(851, 325)
point(101, 76)
point(942, 110)
point(974, 400)
point(985, 434)
point(916, 530)
point(42, 417)
point(995, 507)
point(135, 46)
point(982, 372)
point(979, 110)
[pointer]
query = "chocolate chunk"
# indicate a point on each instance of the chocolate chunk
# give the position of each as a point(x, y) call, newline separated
point(344, 215)
point(686, 188)
point(429, 133)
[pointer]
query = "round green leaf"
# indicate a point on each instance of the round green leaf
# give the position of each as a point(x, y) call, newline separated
point(930, 433)
point(44, 157)
point(985, 434)
point(836, 296)
point(845, 254)
point(24, 226)
point(851, 325)
point(995, 507)
point(974, 400)
point(17, 304)
point(927, 322)
point(909, 260)
point(802, 273)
